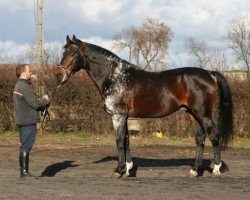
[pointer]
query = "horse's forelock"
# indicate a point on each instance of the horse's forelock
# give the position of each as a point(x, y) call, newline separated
point(71, 43)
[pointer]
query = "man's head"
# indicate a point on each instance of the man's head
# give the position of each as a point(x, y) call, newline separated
point(23, 72)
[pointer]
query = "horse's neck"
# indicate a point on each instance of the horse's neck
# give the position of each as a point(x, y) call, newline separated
point(99, 74)
point(102, 68)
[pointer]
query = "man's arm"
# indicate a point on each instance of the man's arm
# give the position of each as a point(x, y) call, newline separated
point(32, 100)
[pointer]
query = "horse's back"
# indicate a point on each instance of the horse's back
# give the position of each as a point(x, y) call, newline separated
point(160, 94)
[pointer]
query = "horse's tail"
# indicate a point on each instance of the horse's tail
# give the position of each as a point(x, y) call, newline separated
point(225, 120)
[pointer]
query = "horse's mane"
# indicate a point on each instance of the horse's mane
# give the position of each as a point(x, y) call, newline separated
point(107, 53)
point(101, 50)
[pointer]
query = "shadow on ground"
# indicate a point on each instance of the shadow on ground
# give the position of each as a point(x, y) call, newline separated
point(207, 165)
point(53, 169)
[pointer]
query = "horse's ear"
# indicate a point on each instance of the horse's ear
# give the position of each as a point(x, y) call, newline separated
point(74, 39)
point(68, 39)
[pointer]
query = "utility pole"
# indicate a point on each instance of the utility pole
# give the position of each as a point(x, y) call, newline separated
point(39, 34)
point(40, 46)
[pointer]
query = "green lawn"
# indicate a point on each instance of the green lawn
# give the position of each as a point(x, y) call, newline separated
point(79, 138)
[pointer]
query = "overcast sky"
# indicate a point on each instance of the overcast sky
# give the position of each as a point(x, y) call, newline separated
point(97, 21)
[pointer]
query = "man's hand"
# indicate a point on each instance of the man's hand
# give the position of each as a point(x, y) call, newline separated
point(46, 97)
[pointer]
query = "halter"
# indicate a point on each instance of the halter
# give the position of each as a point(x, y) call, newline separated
point(68, 72)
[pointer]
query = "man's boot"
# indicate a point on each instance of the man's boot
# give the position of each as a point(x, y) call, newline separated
point(24, 165)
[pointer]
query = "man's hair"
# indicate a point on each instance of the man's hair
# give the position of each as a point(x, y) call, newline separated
point(19, 69)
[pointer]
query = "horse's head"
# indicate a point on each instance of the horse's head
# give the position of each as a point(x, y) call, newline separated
point(72, 60)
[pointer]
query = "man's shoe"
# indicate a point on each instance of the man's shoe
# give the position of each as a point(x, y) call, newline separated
point(24, 165)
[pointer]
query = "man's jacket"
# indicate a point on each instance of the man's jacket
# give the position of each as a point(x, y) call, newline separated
point(26, 104)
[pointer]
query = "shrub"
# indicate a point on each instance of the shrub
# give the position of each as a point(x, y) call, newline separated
point(78, 106)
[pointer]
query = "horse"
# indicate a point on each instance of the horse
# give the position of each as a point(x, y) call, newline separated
point(128, 91)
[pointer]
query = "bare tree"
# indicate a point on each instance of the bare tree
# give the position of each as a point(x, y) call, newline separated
point(152, 41)
point(238, 38)
point(30, 54)
point(1, 52)
point(217, 59)
point(149, 42)
point(125, 39)
point(198, 50)
point(205, 56)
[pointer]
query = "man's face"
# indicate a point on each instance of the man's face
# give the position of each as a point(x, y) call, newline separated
point(27, 73)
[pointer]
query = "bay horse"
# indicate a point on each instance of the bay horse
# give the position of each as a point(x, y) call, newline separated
point(127, 91)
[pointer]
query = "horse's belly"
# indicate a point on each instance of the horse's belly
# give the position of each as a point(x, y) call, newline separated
point(151, 107)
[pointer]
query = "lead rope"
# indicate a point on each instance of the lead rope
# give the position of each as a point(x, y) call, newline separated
point(45, 113)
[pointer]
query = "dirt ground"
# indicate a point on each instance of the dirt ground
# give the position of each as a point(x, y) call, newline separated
point(81, 169)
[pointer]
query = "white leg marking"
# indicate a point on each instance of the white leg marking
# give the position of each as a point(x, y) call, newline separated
point(216, 170)
point(129, 165)
point(193, 173)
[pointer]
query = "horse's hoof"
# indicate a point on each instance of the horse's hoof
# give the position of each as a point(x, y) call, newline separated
point(193, 173)
point(216, 171)
point(116, 175)
point(125, 175)
point(216, 174)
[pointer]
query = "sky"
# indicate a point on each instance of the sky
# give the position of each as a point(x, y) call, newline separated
point(97, 21)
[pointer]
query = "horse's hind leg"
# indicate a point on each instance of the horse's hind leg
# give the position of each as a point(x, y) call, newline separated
point(214, 138)
point(200, 137)
point(206, 126)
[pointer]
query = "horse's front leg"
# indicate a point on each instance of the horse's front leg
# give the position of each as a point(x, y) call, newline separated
point(129, 162)
point(120, 126)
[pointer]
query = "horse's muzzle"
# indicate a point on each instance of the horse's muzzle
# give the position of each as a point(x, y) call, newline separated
point(59, 73)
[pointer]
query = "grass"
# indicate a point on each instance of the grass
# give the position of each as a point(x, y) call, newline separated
point(83, 138)
point(9, 134)
point(178, 138)
point(241, 143)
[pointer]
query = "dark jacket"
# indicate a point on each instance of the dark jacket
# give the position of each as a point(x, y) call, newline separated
point(26, 104)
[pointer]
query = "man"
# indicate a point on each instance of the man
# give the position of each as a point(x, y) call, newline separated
point(26, 111)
